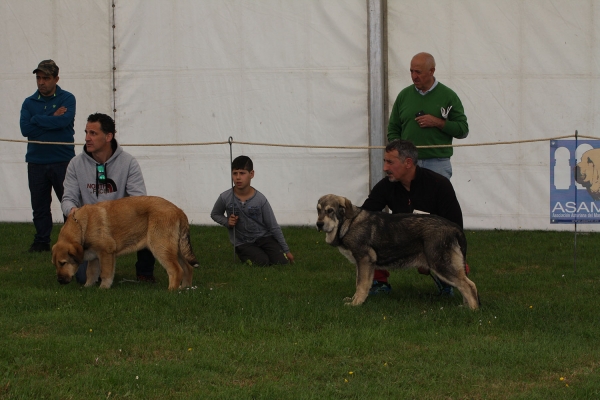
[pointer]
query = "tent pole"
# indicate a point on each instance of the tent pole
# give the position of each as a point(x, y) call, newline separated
point(114, 68)
point(232, 194)
point(378, 103)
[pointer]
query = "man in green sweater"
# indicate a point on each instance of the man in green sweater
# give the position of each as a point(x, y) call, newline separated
point(428, 113)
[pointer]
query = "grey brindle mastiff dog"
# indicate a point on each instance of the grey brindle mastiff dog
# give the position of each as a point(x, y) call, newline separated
point(377, 240)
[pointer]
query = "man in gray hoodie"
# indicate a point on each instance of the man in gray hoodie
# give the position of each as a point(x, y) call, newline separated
point(104, 172)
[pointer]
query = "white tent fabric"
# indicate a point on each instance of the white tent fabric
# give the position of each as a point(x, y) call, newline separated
point(296, 72)
point(263, 71)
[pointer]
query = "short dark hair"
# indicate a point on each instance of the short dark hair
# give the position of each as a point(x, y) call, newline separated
point(107, 124)
point(242, 162)
point(405, 149)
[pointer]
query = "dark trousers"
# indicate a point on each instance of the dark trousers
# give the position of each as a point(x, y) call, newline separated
point(42, 179)
point(145, 263)
point(264, 251)
point(143, 266)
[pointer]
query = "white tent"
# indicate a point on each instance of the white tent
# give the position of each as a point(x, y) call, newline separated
point(297, 73)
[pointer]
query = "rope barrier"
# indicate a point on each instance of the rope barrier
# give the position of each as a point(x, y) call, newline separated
point(304, 146)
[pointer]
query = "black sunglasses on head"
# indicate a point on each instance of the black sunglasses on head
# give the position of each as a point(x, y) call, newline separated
point(101, 173)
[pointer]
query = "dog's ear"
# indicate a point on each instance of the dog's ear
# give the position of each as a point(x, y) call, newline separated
point(76, 251)
point(346, 208)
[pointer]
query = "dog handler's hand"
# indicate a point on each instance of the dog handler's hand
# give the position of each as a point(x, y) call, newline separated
point(72, 211)
point(232, 220)
point(290, 257)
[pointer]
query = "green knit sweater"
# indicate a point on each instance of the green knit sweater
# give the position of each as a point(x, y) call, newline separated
point(402, 123)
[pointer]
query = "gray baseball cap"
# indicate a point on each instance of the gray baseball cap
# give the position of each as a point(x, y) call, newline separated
point(48, 67)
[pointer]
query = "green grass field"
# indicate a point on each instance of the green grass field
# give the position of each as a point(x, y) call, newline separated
point(249, 332)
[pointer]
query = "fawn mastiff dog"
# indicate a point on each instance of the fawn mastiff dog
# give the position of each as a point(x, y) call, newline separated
point(588, 173)
point(100, 232)
point(377, 240)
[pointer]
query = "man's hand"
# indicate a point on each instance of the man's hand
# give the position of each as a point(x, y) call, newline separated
point(290, 257)
point(72, 211)
point(61, 110)
point(232, 221)
point(429, 121)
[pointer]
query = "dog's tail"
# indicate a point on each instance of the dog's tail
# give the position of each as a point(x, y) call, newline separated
point(185, 243)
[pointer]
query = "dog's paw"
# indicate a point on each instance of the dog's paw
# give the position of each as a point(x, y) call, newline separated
point(106, 284)
point(351, 301)
point(356, 300)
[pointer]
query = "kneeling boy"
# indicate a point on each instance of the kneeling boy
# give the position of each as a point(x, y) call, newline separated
point(252, 226)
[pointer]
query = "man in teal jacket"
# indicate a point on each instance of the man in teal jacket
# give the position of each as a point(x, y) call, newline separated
point(428, 113)
point(47, 116)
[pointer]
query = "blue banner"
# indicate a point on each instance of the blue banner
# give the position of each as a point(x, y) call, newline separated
point(574, 181)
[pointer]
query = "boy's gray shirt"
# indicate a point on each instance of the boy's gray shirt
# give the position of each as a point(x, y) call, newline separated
point(123, 173)
point(256, 218)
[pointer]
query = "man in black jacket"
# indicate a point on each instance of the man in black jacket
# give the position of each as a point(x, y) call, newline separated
point(409, 188)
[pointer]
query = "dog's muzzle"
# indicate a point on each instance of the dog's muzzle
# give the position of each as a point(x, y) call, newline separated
point(320, 226)
point(63, 280)
point(579, 178)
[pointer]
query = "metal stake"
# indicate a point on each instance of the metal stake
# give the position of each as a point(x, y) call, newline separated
point(576, 205)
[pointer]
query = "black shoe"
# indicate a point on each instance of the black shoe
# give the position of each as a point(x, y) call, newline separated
point(146, 278)
point(443, 288)
point(38, 247)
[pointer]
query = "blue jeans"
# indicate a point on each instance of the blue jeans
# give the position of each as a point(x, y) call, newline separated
point(440, 165)
point(42, 178)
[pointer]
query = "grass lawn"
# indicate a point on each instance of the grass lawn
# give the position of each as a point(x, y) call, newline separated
point(248, 332)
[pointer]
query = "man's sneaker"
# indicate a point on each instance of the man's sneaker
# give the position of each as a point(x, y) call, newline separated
point(38, 247)
point(447, 291)
point(443, 288)
point(146, 278)
point(380, 287)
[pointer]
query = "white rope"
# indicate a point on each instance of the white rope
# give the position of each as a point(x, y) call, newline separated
point(303, 145)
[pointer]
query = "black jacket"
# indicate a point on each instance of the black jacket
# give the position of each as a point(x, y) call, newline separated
point(429, 192)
